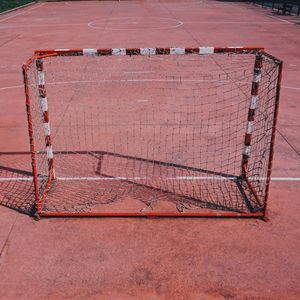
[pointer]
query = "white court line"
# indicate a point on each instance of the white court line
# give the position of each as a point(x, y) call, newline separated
point(102, 24)
point(282, 20)
point(125, 80)
point(145, 178)
point(188, 22)
point(41, 25)
point(10, 66)
point(126, 3)
point(291, 87)
point(138, 80)
point(21, 13)
point(234, 22)
point(79, 4)
point(11, 87)
point(138, 72)
point(136, 21)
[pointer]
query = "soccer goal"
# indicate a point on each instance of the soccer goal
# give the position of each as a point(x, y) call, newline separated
point(152, 131)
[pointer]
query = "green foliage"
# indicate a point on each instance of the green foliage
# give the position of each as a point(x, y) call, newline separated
point(9, 4)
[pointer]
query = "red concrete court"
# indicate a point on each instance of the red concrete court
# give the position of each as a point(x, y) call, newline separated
point(209, 259)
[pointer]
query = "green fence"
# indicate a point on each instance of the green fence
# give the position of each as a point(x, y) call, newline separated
point(283, 7)
point(10, 4)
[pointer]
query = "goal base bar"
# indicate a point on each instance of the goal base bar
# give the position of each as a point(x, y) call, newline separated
point(150, 215)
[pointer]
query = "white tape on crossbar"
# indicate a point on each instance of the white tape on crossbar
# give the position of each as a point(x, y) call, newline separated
point(247, 150)
point(46, 128)
point(253, 102)
point(49, 152)
point(206, 50)
point(41, 78)
point(62, 49)
point(118, 51)
point(44, 104)
point(177, 51)
point(250, 127)
point(257, 77)
point(148, 51)
point(89, 52)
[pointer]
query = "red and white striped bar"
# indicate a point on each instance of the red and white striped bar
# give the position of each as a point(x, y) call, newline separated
point(251, 112)
point(147, 51)
point(44, 111)
point(30, 128)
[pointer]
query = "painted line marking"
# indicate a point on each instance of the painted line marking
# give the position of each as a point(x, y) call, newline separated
point(145, 178)
point(88, 4)
point(104, 24)
point(10, 66)
point(235, 22)
point(138, 72)
point(17, 179)
point(130, 4)
point(282, 20)
point(142, 100)
point(84, 24)
point(291, 87)
point(21, 13)
point(41, 25)
point(136, 80)
point(140, 80)
point(11, 87)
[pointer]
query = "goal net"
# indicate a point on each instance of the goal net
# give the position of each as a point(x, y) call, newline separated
point(152, 131)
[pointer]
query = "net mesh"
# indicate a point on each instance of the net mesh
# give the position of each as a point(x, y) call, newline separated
point(161, 133)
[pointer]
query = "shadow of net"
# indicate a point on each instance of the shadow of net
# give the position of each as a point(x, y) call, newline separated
point(16, 186)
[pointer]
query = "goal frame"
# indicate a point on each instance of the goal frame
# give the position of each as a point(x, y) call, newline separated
point(40, 55)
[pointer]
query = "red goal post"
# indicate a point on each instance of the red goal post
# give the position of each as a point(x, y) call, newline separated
point(251, 184)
